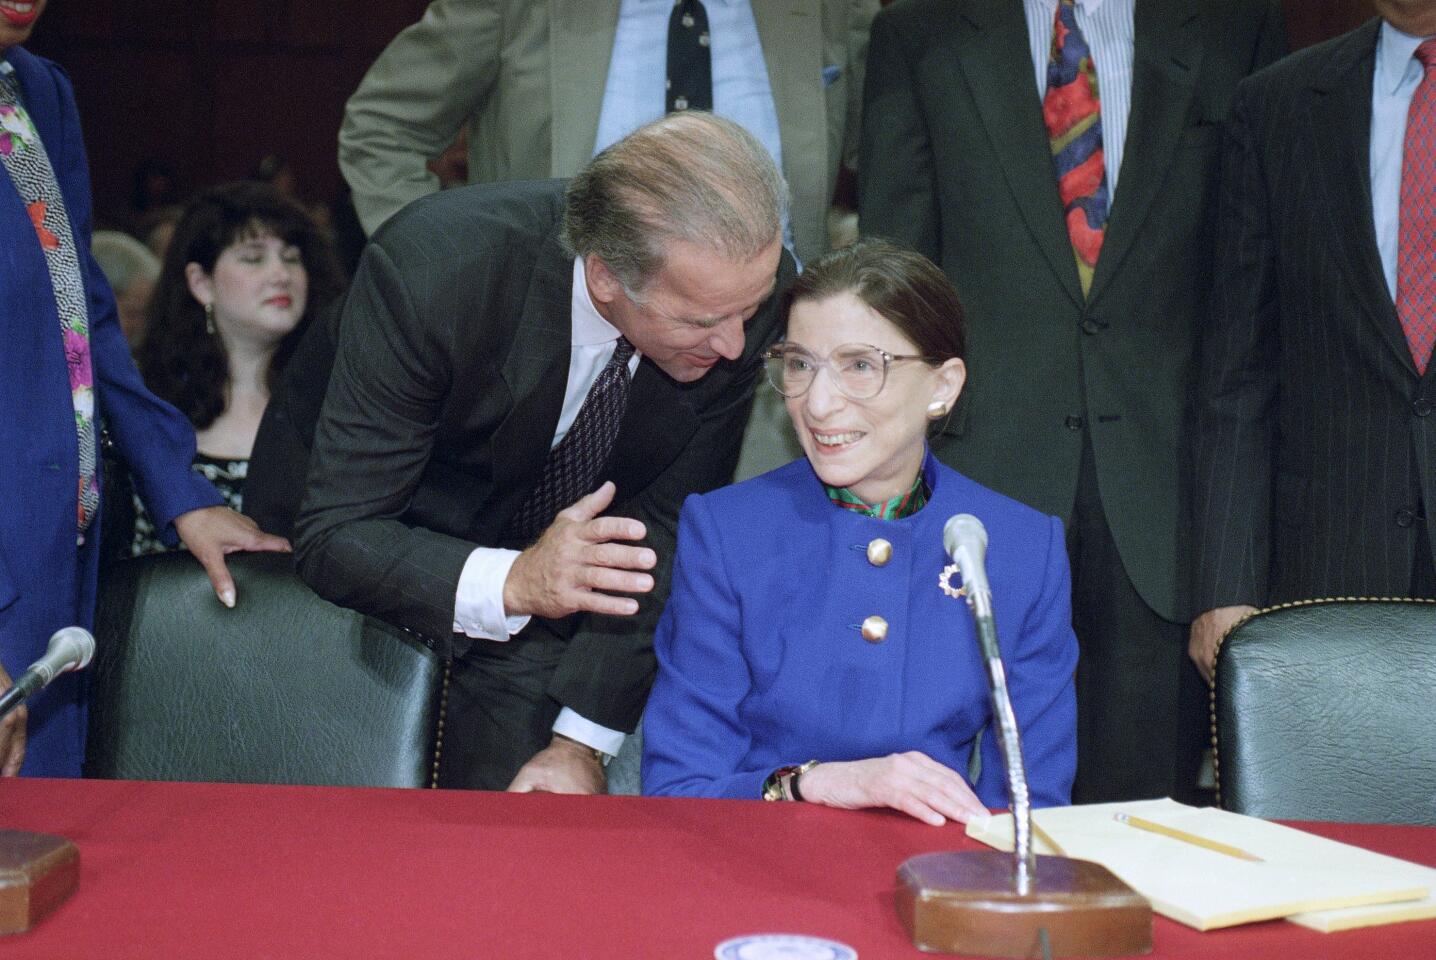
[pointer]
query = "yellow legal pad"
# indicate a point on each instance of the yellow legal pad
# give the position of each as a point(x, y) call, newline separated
point(1310, 880)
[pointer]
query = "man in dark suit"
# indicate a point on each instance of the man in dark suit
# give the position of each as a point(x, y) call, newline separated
point(1084, 299)
point(483, 327)
point(1317, 464)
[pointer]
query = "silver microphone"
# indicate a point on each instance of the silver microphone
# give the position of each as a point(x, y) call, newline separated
point(71, 648)
point(965, 539)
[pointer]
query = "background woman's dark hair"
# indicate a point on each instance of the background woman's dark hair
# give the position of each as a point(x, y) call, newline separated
point(180, 360)
point(899, 283)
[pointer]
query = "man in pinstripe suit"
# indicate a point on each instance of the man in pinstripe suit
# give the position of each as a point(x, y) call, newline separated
point(1079, 384)
point(1317, 461)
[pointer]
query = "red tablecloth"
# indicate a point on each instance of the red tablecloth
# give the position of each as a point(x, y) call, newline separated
point(218, 871)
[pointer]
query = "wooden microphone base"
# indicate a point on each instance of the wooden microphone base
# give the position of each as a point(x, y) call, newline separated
point(967, 903)
point(37, 873)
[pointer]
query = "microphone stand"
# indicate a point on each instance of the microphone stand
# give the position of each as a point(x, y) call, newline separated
point(1024, 858)
point(983, 903)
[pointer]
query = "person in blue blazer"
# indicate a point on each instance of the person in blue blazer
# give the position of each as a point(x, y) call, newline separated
point(807, 651)
point(65, 368)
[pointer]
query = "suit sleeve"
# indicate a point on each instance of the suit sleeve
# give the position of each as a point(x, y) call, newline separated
point(371, 445)
point(606, 672)
point(155, 440)
point(897, 189)
point(1237, 382)
point(860, 22)
point(413, 101)
point(693, 739)
point(1040, 666)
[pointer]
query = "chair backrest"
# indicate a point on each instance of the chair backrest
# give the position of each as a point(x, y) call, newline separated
point(1326, 710)
point(284, 688)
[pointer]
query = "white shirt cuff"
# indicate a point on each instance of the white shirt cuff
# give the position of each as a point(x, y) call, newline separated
point(479, 602)
point(588, 733)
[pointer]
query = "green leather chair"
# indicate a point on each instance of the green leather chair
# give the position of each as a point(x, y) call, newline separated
point(284, 688)
point(1326, 710)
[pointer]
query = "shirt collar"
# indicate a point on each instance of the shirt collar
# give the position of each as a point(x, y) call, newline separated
point(1090, 6)
point(1395, 59)
point(588, 325)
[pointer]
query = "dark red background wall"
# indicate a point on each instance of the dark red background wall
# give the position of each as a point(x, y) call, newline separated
point(210, 86)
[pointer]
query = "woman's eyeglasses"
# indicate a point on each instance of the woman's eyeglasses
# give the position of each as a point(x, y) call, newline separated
point(858, 370)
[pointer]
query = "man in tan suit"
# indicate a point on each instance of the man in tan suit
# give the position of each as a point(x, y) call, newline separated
point(529, 80)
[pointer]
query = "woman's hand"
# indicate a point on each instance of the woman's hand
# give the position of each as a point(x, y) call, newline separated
point(911, 782)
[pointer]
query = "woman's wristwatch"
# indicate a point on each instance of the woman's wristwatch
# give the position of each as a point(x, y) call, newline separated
point(782, 783)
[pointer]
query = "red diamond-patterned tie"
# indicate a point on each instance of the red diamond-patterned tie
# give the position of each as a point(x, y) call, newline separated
point(1416, 248)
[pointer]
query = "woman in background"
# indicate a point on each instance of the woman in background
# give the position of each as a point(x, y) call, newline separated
point(246, 272)
point(807, 651)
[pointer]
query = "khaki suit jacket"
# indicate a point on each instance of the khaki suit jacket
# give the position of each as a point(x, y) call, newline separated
point(528, 79)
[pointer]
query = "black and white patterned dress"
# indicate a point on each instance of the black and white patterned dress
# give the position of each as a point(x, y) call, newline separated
point(227, 477)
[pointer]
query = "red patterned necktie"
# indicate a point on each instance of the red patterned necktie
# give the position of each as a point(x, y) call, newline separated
point(1072, 110)
point(1416, 247)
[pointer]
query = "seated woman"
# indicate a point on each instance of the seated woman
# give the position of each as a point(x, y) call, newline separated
point(246, 271)
point(807, 652)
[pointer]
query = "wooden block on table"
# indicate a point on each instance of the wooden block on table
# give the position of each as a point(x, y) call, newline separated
point(37, 873)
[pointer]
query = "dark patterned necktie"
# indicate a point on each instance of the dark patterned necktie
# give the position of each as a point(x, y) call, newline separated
point(24, 159)
point(573, 467)
point(690, 60)
point(1072, 110)
point(1416, 243)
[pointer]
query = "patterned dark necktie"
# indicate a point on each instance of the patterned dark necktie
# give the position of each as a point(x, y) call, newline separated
point(573, 467)
point(1072, 110)
point(690, 61)
point(1416, 243)
point(28, 165)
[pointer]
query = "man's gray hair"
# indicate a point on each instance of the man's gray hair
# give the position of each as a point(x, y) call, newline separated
point(690, 176)
point(123, 259)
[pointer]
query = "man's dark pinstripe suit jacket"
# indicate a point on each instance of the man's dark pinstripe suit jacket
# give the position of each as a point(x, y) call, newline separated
point(1317, 436)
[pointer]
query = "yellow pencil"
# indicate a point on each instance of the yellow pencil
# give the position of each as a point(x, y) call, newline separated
point(1186, 837)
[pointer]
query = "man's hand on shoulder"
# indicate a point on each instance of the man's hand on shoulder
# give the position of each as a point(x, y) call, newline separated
point(577, 565)
point(564, 766)
point(212, 532)
point(1207, 632)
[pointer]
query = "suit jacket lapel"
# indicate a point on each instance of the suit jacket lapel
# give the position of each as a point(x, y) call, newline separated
point(32, 349)
point(580, 44)
point(656, 427)
point(536, 375)
point(1337, 137)
point(1166, 61)
point(993, 58)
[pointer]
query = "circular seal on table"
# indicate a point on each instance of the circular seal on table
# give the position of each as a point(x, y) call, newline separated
point(783, 946)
